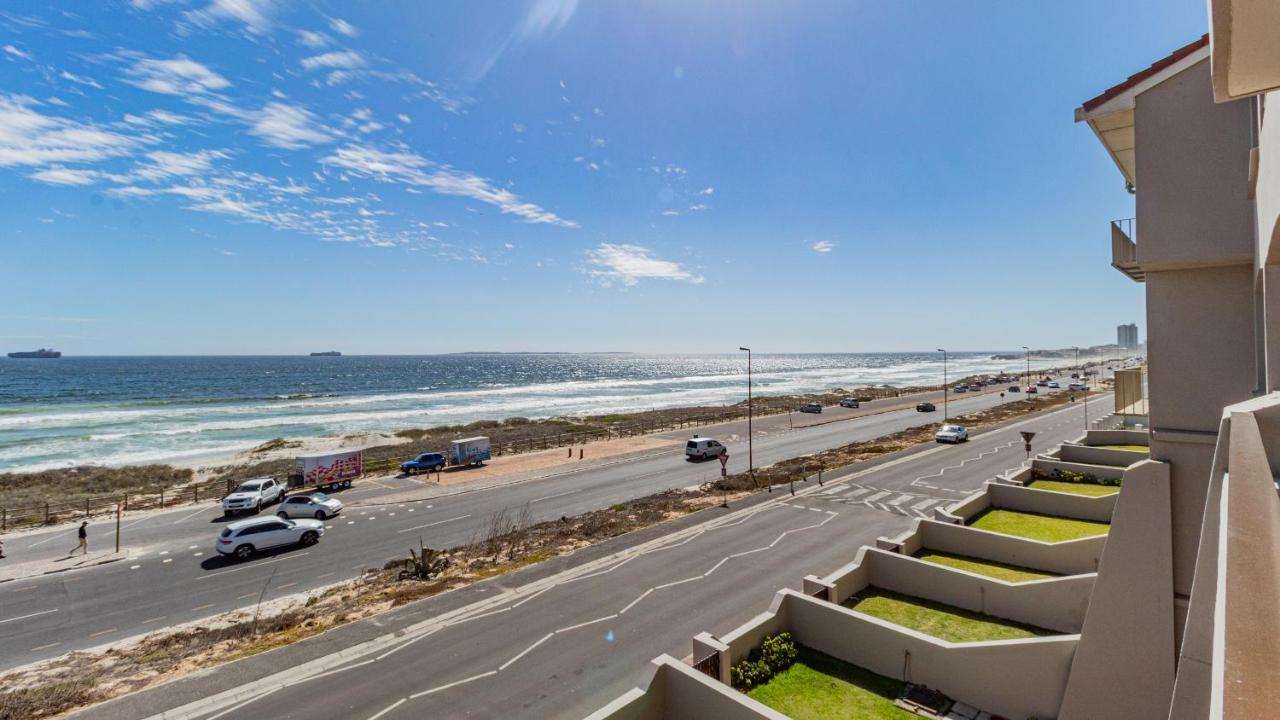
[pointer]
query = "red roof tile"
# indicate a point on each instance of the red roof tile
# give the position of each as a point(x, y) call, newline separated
point(1156, 67)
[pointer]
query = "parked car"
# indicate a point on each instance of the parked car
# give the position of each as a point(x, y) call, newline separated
point(426, 462)
point(1075, 375)
point(975, 386)
point(811, 408)
point(959, 389)
point(1078, 386)
point(1014, 388)
point(1042, 383)
point(849, 402)
point(309, 505)
point(1053, 385)
point(252, 495)
point(951, 434)
point(925, 407)
point(1031, 390)
point(703, 448)
point(244, 537)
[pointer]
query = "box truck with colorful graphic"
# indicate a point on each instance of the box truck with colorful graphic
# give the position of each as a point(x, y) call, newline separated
point(469, 451)
point(327, 471)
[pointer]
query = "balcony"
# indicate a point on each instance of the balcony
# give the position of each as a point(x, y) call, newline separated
point(1124, 251)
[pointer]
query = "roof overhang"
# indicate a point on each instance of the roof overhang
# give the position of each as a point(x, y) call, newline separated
point(1110, 115)
point(1246, 50)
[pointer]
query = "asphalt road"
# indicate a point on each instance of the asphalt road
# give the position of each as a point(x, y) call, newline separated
point(582, 639)
point(176, 577)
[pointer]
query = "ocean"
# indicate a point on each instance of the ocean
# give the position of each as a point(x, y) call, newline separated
point(133, 410)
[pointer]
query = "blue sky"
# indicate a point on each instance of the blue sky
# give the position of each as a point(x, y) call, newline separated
point(281, 176)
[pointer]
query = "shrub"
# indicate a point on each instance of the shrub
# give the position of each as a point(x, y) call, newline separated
point(775, 654)
point(778, 652)
point(1075, 477)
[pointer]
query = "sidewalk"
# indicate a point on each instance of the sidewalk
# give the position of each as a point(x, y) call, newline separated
point(11, 570)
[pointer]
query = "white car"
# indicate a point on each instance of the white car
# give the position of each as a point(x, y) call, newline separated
point(1053, 385)
point(1077, 386)
point(951, 434)
point(252, 496)
point(244, 537)
point(703, 449)
point(311, 505)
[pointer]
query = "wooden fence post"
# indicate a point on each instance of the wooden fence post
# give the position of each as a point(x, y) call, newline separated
point(86, 507)
point(161, 498)
point(46, 512)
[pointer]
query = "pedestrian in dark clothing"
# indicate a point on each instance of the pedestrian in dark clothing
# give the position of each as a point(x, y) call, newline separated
point(84, 539)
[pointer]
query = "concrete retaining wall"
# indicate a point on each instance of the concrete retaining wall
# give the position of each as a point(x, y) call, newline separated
point(1070, 557)
point(1117, 437)
point(1055, 604)
point(1047, 466)
point(1014, 678)
point(678, 692)
point(1025, 499)
point(1071, 452)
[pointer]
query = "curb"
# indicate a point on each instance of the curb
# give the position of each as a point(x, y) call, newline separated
point(73, 568)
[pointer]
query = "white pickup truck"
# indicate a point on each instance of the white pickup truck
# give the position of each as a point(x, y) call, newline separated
point(253, 495)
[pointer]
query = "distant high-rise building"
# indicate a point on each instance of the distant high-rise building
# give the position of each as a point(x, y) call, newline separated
point(1127, 336)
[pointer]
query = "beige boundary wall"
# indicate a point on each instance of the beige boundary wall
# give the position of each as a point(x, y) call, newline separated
point(1046, 464)
point(1015, 678)
point(1024, 499)
point(678, 692)
point(1055, 603)
point(1124, 668)
point(1069, 557)
point(1091, 455)
point(1117, 437)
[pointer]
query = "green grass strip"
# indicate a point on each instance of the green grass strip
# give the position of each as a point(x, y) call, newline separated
point(939, 619)
point(1132, 448)
point(1037, 527)
point(1090, 489)
point(820, 687)
point(990, 568)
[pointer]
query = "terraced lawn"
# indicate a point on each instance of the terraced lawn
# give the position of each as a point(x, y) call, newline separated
point(820, 687)
point(939, 619)
point(1090, 489)
point(997, 570)
point(1134, 448)
point(1037, 527)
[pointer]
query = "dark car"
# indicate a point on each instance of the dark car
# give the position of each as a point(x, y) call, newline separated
point(811, 408)
point(1014, 388)
point(925, 407)
point(426, 462)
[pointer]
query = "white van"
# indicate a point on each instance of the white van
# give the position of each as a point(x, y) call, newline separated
point(703, 449)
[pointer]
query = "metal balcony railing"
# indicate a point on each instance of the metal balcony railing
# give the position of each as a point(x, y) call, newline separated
point(1124, 249)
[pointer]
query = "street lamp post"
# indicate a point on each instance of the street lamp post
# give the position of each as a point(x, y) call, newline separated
point(751, 463)
point(1027, 377)
point(945, 411)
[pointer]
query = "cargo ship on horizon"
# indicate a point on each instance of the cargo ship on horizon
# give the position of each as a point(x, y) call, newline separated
point(327, 353)
point(47, 353)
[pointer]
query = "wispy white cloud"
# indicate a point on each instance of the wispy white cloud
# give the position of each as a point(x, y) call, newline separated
point(697, 207)
point(254, 15)
point(163, 164)
point(79, 79)
point(342, 27)
point(157, 117)
point(519, 128)
point(341, 59)
point(15, 52)
point(404, 118)
point(30, 138)
point(58, 175)
point(708, 190)
point(312, 39)
point(823, 247)
point(288, 126)
point(178, 76)
point(629, 264)
point(411, 169)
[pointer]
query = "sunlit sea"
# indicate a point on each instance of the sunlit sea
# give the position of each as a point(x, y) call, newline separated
point(128, 410)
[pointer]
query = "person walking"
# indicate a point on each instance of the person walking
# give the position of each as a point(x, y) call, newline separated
point(84, 539)
point(1, 549)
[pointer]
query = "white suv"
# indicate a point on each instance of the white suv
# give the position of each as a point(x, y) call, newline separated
point(252, 496)
point(243, 537)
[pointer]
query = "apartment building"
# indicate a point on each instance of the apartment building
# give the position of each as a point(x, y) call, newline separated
point(1127, 336)
point(1170, 610)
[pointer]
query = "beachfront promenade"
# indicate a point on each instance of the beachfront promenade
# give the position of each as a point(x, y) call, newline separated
point(561, 641)
point(171, 575)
